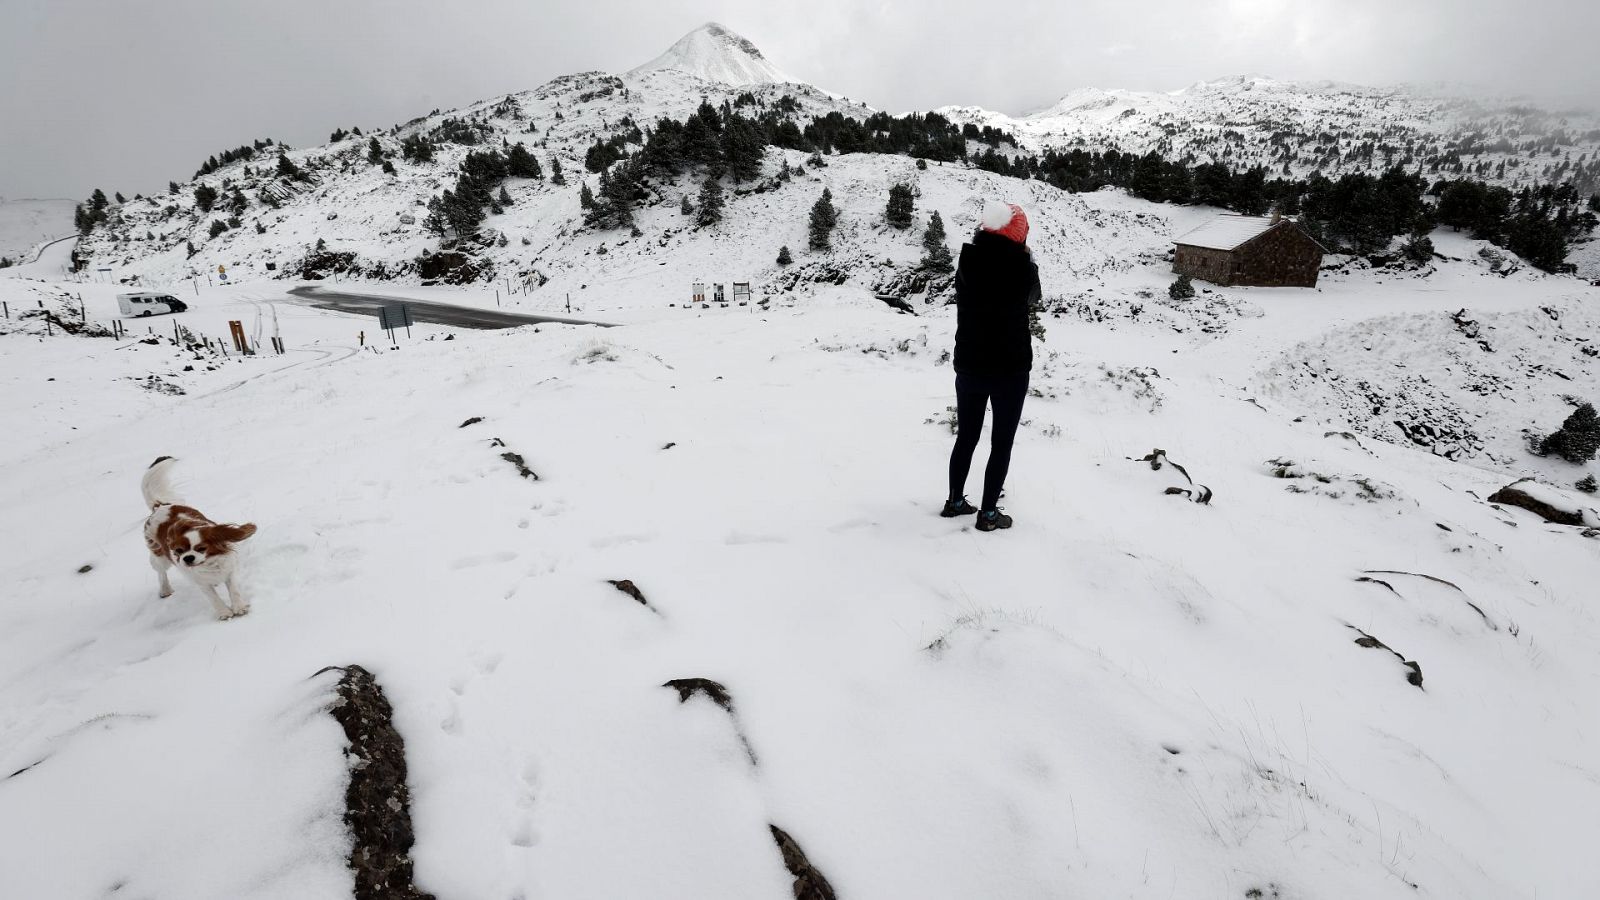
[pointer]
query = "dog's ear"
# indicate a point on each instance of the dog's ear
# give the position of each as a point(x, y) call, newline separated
point(232, 534)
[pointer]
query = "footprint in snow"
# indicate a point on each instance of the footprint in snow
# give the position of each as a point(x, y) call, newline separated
point(470, 562)
point(737, 538)
point(523, 833)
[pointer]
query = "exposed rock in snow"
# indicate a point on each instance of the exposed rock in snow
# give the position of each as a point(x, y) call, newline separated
point(1547, 502)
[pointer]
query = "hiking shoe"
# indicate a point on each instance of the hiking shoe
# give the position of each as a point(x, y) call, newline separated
point(959, 507)
point(990, 519)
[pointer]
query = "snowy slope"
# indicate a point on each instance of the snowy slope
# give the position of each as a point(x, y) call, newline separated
point(24, 224)
point(1125, 695)
point(1300, 127)
point(713, 53)
point(1349, 675)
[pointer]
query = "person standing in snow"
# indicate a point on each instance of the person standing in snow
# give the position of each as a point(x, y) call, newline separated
point(997, 283)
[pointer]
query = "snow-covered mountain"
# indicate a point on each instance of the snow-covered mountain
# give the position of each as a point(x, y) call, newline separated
point(351, 206)
point(666, 610)
point(713, 53)
point(1295, 128)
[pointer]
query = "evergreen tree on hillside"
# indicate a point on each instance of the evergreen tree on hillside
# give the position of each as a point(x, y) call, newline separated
point(555, 172)
point(709, 210)
point(936, 253)
point(684, 206)
point(504, 198)
point(742, 149)
point(98, 201)
point(374, 151)
point(287, 168)
point(784, 257)
point(586, 196)
point(1578, 439)
point(463, 211)
point(435, 220)
point(901, 206)
point(120, 198)
point(1182, 288)
point(205, 196)
point(388, 167)
point(237, 203)
point(172, 187)
point(823, 219)
point(522, 164)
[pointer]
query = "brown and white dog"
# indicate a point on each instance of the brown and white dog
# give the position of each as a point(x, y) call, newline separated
point(179, 535)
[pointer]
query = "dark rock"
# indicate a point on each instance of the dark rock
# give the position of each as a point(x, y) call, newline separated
point(1512, 495)
point(85, 569)
point(688, 687)
point(377, 801)
point(809, 883)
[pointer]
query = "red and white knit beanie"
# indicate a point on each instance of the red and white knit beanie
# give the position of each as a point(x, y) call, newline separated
point(1005, 219)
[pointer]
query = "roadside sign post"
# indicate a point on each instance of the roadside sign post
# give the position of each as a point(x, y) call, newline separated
point(392, 316)
point(236, 331)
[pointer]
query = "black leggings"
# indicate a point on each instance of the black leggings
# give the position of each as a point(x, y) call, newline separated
point(1005, 393)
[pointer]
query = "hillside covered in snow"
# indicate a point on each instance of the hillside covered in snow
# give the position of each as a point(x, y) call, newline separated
point(1296, 128)
point(666, 609)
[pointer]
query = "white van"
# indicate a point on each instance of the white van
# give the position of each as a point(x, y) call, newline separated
point(149, 303)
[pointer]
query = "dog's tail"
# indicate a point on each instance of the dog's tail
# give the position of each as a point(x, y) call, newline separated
point(157, 483)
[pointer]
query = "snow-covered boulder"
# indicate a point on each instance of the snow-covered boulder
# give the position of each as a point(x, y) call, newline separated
point(1551, 504)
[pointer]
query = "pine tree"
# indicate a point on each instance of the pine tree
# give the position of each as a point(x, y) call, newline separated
point(823, 219)
point(287, 168)
point(83, 218)
point(902, 204)
point(1578, 439)
point(172, 187)
point(98, 201)
point(388, 167)
point(784, 257)
point(1181, 288)
point(205, 196)
point(504, 199)
point(374, 151)
point(435, 220)
point(684, 206)
point(555, 172)
point(522, 164)
point(586, 196)
point(217, 227)
point(710, 205)
point(936, 253)
point(120, 198)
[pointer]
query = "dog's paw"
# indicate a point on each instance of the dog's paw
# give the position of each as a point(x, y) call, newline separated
point(166, 593)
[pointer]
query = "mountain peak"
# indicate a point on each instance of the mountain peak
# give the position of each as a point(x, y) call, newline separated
point(714, 53)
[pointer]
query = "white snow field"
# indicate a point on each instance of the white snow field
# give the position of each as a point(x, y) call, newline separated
point(1348, 675)
point(1127, 694)
point(25, 224)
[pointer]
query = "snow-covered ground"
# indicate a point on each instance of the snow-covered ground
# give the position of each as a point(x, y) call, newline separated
point(1127, 694)
point(25, 224)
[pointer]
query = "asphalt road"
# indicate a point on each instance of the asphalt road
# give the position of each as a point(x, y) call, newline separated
point(427, 310)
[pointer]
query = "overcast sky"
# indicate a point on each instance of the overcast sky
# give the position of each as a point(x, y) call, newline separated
point(127, 94)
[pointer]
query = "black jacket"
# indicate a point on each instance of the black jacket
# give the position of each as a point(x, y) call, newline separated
point(996, 284)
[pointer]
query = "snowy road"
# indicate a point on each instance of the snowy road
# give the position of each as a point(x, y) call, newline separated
point(427, 311)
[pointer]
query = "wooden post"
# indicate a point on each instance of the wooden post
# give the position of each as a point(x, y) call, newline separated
point(7, 308)
point(496, 296)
